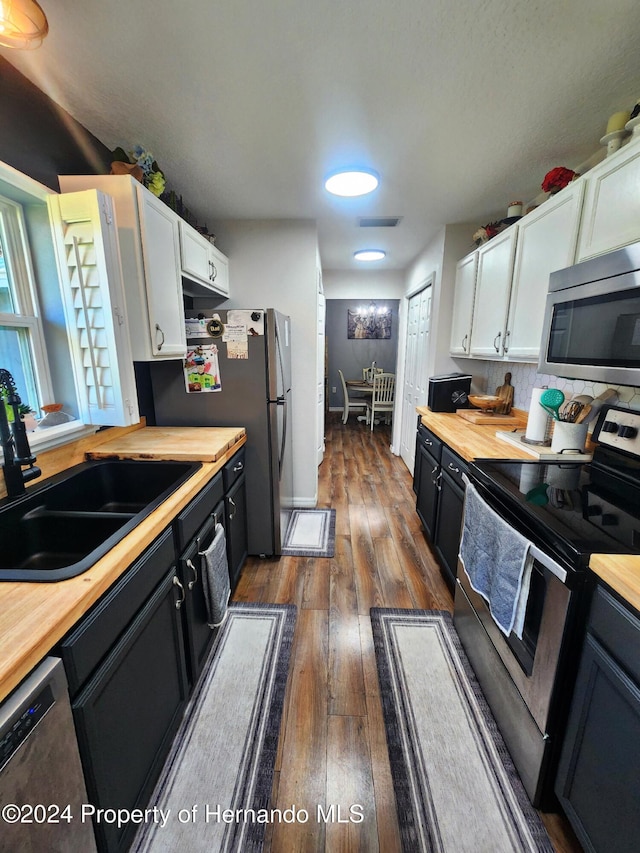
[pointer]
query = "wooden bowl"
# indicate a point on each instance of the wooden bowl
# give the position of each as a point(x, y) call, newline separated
point(484, 401)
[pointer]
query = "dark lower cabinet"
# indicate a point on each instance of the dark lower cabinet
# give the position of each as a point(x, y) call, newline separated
point(128, 709)
point(198, 635)
point(235, 514)
point(598, 781)
point(449, 517)
point(133, 660)
point(440, 498)
point(428, 489)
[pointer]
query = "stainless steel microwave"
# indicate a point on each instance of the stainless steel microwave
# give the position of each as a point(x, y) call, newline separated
point(592, 320)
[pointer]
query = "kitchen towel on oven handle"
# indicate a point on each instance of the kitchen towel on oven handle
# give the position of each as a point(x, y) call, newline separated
point(497, 560)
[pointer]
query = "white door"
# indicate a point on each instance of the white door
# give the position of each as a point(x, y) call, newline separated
point(416, 370)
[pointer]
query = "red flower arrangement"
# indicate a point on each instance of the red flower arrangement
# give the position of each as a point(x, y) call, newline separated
point(557, 179)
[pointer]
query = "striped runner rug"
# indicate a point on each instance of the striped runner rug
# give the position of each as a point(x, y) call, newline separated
point(217, 780)
point(456, 788)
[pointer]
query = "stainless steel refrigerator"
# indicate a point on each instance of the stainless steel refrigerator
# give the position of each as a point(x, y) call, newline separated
point(254, 372)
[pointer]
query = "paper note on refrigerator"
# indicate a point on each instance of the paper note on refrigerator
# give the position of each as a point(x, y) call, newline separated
point(201, 369)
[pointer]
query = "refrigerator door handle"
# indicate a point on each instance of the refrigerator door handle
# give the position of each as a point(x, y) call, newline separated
point(282, 401)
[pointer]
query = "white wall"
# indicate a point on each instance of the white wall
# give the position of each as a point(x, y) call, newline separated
point(364, 284)
point(272, 264)
point(435, 263)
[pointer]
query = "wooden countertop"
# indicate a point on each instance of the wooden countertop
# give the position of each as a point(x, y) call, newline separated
point(35, 616)
point(473, 441)
point(180, 444)
point(621, 572)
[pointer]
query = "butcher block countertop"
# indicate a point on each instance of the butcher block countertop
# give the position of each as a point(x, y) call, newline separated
point(473, 441)
point(179, 444)
point(35, 616)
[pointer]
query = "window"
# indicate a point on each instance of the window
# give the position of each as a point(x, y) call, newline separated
point(22, 350)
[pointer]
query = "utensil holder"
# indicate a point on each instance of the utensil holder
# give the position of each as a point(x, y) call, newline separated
point(568, 437)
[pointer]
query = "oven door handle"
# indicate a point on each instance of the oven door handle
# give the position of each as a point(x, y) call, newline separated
point(542, 558)
point(546, 561)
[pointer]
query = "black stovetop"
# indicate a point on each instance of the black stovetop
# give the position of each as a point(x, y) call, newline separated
point(571, 509)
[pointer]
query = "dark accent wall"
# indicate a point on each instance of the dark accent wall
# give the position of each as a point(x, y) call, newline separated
point(39, 138)
point(350, 354)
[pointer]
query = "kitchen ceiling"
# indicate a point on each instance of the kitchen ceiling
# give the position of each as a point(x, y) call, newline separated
point(461, 107)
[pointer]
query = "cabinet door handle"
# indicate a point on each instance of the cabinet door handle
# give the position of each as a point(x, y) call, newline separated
point(238, 467)
point(464, 342)
point(214, 271)
point(232, 514)
point(453, 467)
point(496, 346)
point(505, 346)
point(437, 482)
point(193, 582)
point(434, 480)
point(161, 343)
point(180, 601)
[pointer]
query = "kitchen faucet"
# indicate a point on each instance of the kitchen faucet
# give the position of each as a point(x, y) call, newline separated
point(15, 445)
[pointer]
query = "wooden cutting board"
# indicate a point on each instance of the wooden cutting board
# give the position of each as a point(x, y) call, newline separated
point(477, 416)
point(179, 444)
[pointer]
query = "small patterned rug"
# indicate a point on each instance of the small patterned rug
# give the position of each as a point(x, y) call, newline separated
point(224, 754)
point(311, 533)
point(456, 788)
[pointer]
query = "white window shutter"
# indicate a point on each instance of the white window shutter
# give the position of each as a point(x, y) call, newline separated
point(86, 243)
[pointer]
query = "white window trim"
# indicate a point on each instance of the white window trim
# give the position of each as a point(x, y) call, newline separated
point(20, 268)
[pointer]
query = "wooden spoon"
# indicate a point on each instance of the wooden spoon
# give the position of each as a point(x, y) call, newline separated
point(583, 414)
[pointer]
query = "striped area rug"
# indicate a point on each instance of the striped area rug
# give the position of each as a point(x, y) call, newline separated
point(223, 758)
point(456, 788)
point(310, 533)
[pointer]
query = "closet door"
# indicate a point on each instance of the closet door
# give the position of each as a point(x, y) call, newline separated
point(416, 369)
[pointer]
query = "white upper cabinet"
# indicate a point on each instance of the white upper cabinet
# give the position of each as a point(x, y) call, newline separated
point(149, 239)
point(87, 253)
point(546, 242)
point(491, 303)
point(205, 268)
point(611, 217)
point(463, 304)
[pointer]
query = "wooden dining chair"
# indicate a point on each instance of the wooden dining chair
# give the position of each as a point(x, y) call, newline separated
point(350, 402)
point(382, 397)
point(369, 372)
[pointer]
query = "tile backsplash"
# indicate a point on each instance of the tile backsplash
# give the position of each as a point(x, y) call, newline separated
point(525, 377)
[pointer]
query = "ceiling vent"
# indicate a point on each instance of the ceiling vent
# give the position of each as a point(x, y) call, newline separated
point(379, 221)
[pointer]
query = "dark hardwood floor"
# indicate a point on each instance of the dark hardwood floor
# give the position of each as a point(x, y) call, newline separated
point(332, 747)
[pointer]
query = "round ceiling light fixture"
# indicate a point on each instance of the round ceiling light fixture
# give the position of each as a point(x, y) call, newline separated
point(369, 255)
point(352, 182)
point(23, 24)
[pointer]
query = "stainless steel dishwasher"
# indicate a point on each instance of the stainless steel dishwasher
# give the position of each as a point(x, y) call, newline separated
point(42, 787)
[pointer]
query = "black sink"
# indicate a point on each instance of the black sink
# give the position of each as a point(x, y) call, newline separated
point(60, 529)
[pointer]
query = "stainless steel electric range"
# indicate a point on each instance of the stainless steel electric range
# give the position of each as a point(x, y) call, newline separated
point(568, 511)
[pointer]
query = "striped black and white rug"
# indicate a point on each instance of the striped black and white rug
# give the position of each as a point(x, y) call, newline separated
point(310, 533)
point(455, 784)
point(223, 758)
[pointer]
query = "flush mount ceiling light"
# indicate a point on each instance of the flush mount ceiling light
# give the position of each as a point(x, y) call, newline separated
point(352, 182)
point(23, 24)
point(369, 255)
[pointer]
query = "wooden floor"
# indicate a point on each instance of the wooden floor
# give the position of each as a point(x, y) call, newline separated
point(332, 746)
